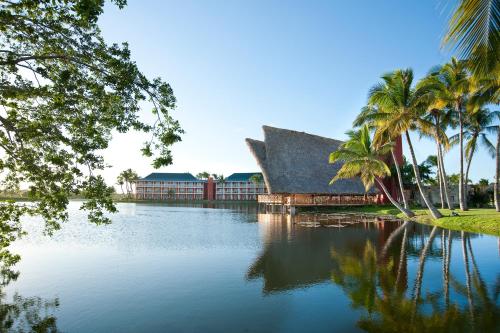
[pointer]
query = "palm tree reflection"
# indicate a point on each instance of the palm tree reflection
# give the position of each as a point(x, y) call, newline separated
point(370, 285)
point(375, 264)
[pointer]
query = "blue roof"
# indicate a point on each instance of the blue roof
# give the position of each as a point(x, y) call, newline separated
point(242, 176)
point(168, 176)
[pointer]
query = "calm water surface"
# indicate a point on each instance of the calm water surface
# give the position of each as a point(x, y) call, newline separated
point(160, 268)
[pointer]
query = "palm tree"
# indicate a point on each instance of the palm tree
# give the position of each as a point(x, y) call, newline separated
point(442, 118)
point(452, 88)
point(401, 107)
point(203, 175)
point(433, 161)
point(475, 133)
point(474, 33)
point(368, 116)
point(221, 180)
point(129, 178)
point(120, 181)
point(256, 179)
point(363, 159)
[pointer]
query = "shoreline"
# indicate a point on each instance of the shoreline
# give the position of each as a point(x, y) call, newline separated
point(477, 220)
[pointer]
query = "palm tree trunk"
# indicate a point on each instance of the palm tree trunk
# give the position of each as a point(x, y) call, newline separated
point(439, 164)
point(443, 178)
point(468, 279)
point(434, 212)
point(440, 181)
point(408, 213)
point(447, 272)
point(400, 180)
point(121, 186)
point(390, 240)
point(402, 260)
point(497, 174)
point(443, 256)
point(469, 161)
point(420, 270)
point(461, 193)
point(127, 188)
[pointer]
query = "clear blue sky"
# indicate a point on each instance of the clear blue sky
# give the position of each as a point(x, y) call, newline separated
point(303, 65)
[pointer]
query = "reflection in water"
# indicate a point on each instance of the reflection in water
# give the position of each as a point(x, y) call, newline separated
point(403, 276)
point(250, 207)
point(25, 314)
point(171, 268)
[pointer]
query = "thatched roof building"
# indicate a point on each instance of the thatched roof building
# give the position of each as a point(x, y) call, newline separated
point(297, 162)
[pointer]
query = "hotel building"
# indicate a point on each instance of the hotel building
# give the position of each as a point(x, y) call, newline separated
point(239, 186)
point(170, 186)
point(184, 186)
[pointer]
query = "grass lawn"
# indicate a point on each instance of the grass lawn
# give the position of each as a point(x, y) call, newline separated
point(482, 220)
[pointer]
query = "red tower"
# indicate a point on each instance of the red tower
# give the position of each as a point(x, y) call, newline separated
point(209, 189)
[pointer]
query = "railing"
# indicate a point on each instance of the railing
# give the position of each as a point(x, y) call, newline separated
point(316, 199)
point(272, 199)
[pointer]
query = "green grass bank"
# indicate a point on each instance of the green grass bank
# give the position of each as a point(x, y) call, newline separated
point(481, 220)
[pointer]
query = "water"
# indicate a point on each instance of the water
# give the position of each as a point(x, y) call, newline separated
point(161, 268)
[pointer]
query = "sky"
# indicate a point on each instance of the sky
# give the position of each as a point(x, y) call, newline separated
point(303, 65)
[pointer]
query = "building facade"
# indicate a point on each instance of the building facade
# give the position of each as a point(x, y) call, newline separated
point(184, 186)
point(170, 186)
point(433, 194)
point(241, 186)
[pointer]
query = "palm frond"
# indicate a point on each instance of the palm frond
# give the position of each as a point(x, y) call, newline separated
point(488, 145)
point(474, 33)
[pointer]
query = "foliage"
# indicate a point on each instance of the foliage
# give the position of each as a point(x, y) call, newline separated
point(361, 158)
point(483, 182)
point(128, 178)
point(257, 179)
point(481, 198)
point(482, 194)
point(476, 128)
point(219, 178)
point(425, 169)
point(203, 175)
point(401, 106)
point(454, 179)
point(63, 91)
point(474, 31)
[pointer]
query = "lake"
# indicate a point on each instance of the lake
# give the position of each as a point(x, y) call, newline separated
point(231, 268)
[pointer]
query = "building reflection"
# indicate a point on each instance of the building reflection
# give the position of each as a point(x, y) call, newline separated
point(296, 256)
point(250, 207)
point(371, 261)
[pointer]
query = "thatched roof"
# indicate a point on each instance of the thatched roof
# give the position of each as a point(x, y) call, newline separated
point(297, 162)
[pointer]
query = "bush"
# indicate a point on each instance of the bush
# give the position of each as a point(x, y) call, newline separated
point(481, 199)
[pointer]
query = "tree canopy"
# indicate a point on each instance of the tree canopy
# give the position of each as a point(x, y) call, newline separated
point(63, 91)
